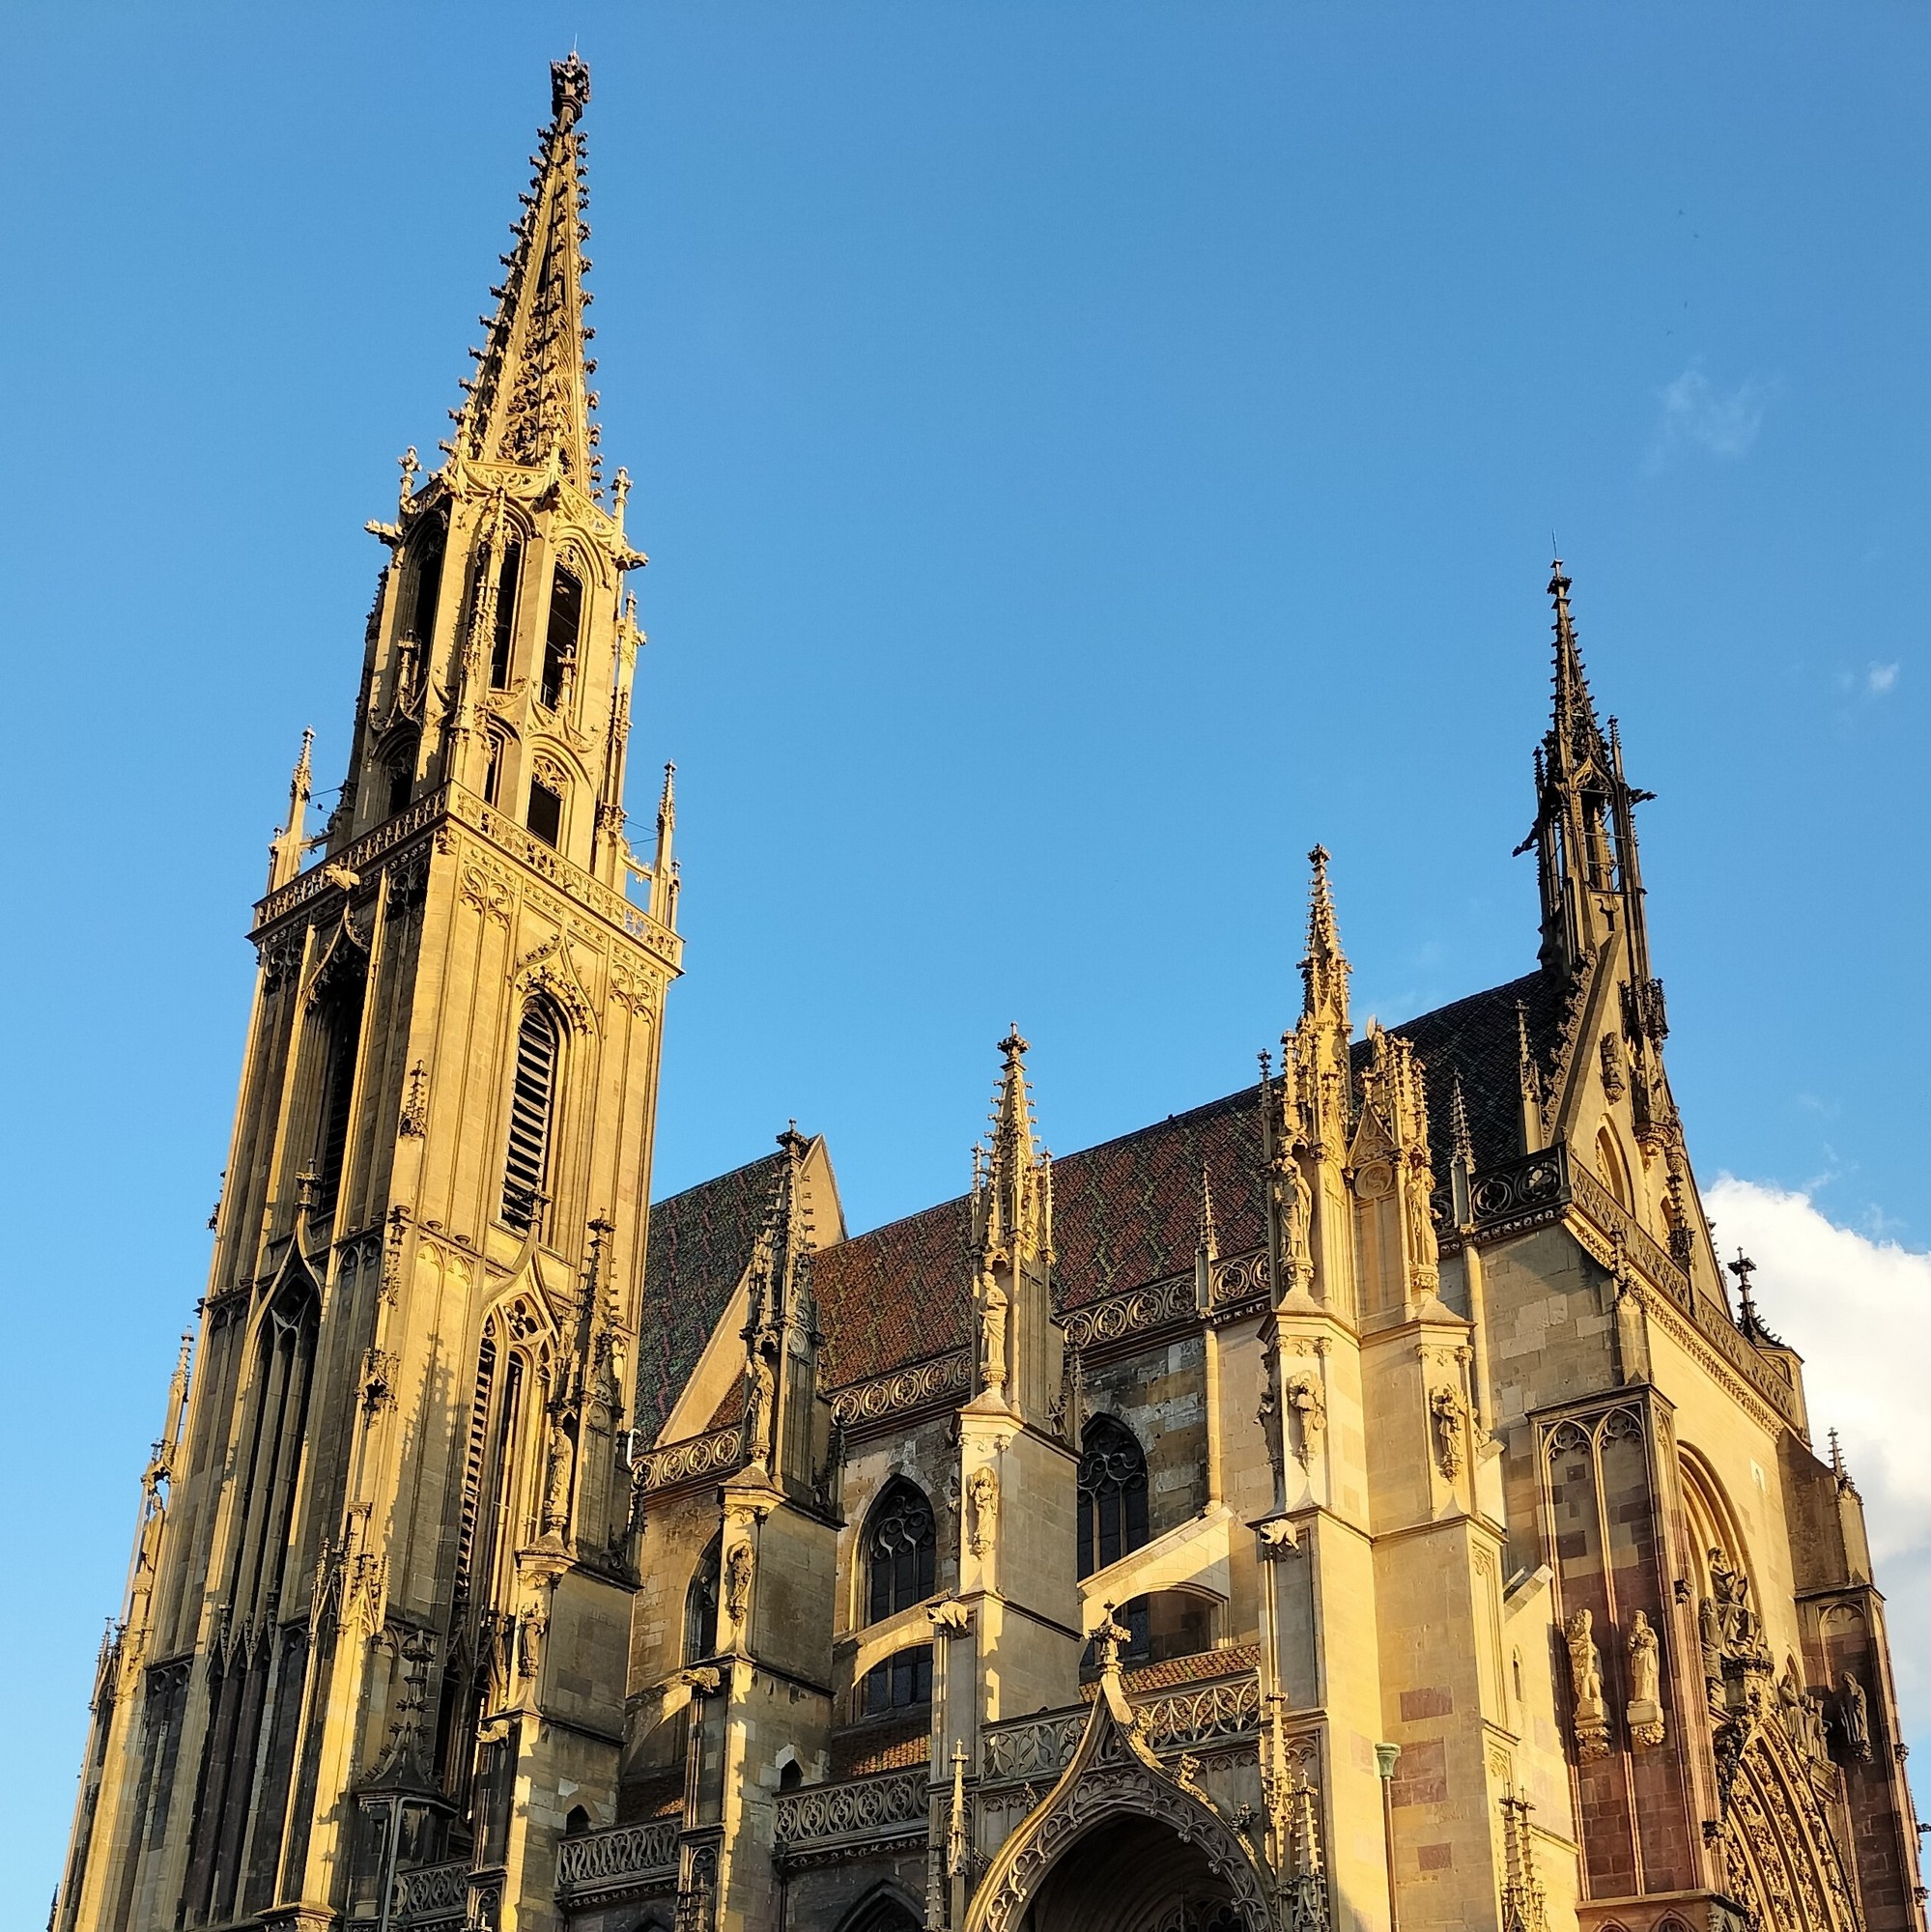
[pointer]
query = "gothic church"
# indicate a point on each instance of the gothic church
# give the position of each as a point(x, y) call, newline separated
point(1359, 1504)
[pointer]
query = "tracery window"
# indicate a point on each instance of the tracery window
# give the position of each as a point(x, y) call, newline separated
point(1112, 1494)
point(901, 1551)
point(561, 635)
point(700, 1607)
point(532, 1117)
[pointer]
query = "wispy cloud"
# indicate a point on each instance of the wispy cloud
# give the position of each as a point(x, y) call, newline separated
point(1880, 678)
point(1694, 414)
point(1857, 1308)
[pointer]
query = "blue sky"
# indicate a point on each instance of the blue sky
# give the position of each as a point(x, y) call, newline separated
point(1086, 455)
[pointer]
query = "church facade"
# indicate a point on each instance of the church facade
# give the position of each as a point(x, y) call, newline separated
point(1363, 1503)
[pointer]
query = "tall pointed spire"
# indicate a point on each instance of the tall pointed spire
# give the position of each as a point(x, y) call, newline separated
point(285, 849)
point(1576, 790)
point(1012, 1248)
point(1574, 738)
point(1325, 969)
point(529, 402)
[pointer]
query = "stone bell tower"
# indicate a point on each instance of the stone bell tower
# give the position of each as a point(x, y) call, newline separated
point(385, 1574)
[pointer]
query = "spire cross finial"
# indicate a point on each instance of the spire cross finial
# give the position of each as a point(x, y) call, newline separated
point(1014, 1045)
point(1742, 1268)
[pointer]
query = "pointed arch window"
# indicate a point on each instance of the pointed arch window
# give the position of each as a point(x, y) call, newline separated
point(561, 635)
point(532, 1117)
point(1112, 1494)
point(341, 1016)
point(700, 1606)
point(401, 775)
point(901, 1551)
point(427, 587)
point(507, 579)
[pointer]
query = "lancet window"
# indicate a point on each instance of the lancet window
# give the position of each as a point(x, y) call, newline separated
point(561, 635)
point(426, 586)
point(507, 579)
point(532, 1117)
point(700, 1606)
point(341, 1026)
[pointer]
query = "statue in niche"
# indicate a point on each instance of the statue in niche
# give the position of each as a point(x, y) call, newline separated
point(1445, 1407)
point(1645, 1711)
point(1585, 1678)
point(1310, 1414)
point(737, 1582)
point(993, 1306)
point(982, 1501)
point(1853, 1715)
point(761, 1389)
point(556, 1490)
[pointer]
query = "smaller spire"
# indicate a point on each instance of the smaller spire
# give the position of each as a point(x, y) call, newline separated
point(1207, 1241)
point(1574, 738)
point(1461, 1142)
point(664, 880)
point(1325, 969)
point(1748, 1321)
point(286, 848)
point(1528, 1077)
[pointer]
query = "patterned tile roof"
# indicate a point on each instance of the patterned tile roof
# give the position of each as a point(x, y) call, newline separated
point(882, 1746)
point(1124, 1213)
point(701, 1243)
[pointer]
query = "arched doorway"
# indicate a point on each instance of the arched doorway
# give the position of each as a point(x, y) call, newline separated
point(1134, 1874)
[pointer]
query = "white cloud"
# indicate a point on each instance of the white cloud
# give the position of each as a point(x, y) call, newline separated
point(1879, 678)
point(1695, 414)
point(1859, 1311)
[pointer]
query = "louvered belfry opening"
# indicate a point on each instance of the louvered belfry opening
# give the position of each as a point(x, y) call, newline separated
point(342, 1022)
point(532, 1111)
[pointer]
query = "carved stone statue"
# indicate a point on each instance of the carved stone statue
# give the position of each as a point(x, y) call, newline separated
point(557, 1489)
point(993, 1307)
point(1444, 1406)
point(1710, 1639)
point(761, 1388)
point(1309, 1414)
point(982, 1507)
point(737, 1582)
point(1645, 1710)
point(531, 1629)
point(1853, 1715)
point(1585, 1678)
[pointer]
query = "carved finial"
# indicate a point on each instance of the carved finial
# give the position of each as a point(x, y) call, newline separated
point(1108, 1638)
point(569, 89)
point(619, 496)
point(1461, 1142)
point(1836, 1457)
point(1325, 969)
point(1748, 1321)
point(1206, 1241)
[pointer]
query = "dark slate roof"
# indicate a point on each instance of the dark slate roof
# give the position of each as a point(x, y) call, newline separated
point(700, 1244)
point(1124, 1213)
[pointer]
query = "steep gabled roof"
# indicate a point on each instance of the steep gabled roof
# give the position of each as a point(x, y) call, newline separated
point(1125, 1214)
point(700, 1244)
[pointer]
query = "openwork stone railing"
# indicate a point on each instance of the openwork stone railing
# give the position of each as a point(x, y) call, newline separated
point(860, 1811)
point(697, 1455)
point(1032, 1747)
point(1203, 1715)
point(623, 1855)
point(906, 1389)
point(1159, 1306)
point(433, 1894)
point(1195, 1717)
point(1240, 1278)
point(453, 800)
point(1539, 1187)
